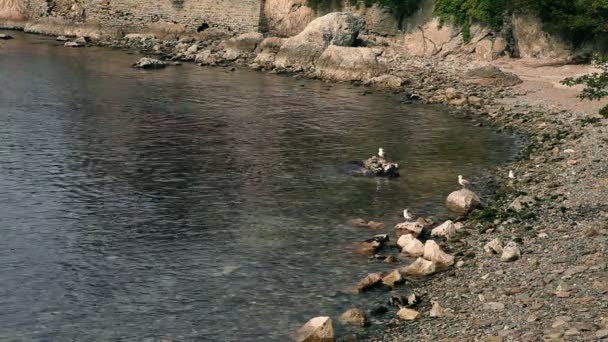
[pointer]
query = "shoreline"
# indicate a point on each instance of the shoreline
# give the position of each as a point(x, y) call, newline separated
point(557, 289)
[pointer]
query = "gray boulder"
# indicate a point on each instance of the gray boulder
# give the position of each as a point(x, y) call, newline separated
point(462, 201)
point(150, 63)
point(339, 63)
point(339, 28)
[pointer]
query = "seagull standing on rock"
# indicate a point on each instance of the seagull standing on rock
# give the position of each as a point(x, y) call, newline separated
point(381, 153)
point(463, 182)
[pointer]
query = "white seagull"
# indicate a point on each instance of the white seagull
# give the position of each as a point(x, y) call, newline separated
point(511, 174)
point(407, 215)
point(381, 153)
point(463, 182)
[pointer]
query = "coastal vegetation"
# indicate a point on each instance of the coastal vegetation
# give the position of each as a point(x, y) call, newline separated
point(576, 20)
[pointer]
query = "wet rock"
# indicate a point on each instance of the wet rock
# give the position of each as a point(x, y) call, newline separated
point(447, 229)
point(339, 29)
point(462, 201)
point(357, 222)
point(356, 317)
point(386, 81)
point(375, 225)
point(318, 329)
point(78, 42)
point(242, 45)
point(493, 247)
point(420, 267)
point(370, 281)
point(391, 260)
point(381, 167)
point(4, 36)
point(410, 246)
point(150, 63)
point(368, 248)
point(511, 252)
point(408, 228)
point(408, 314)
point(433, 252)
point(62, 39)
point(392, 279)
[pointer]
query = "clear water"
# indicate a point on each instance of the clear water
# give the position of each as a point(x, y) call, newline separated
point(198, 204)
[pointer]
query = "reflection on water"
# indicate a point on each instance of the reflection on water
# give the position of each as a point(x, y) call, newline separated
point(197, 204)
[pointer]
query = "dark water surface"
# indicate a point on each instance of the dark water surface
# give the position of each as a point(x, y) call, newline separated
point(197, 204)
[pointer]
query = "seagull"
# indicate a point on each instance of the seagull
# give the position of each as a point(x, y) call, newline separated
point(381, 153)
point(407, 215)
point(463, 182)
point(511, 174)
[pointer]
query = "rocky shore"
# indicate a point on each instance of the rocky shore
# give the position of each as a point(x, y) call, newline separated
point(555, 209)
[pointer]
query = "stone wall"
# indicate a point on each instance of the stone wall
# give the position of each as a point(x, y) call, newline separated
point(194, 15)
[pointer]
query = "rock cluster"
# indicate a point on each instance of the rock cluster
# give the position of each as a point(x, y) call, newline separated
point(380, 167)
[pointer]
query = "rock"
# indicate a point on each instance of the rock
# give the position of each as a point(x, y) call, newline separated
point(370, 281)
point(436, 311)
point(338, 28)
point(459, 102)
point(267, 51)
point(192, 50)
point(408, 228)
point(244, 44)
point(4, 36)
point(378, 310)
point(511, 252)
point(72, 44)
point(381, 167)
point(357, 222)
point(420, 267)
point(492, 76)
point(462, 201)
point(62, 39)
point(391, 260)
point(433, 252)
point(287, 18)
point(494, 306)
point(207, 58)
point(533, 41)
point(318, 329)
point(493, 247)
point(375, 225)
point(355, 317)
point(78, 42)
point(368, 248)
point(339, 63)
point(451, 93)
point(522, 202)
point(386, 81)
point(139, 36)
point(392, 278)
point(410, 246)
point(408, 314)
point(603, 333)
point(150, 63)
point(447, 229)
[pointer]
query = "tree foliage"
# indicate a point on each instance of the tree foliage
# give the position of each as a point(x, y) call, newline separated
point(596, 84)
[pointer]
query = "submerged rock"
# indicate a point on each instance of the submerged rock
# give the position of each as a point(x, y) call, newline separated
point(318, 329)
point(4, 36)
point(355, 317)
point(370, 281)
point(381, 167)
point(150, 63)
point(463, 201)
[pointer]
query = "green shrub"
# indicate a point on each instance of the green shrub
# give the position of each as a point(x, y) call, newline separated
point(596, 84)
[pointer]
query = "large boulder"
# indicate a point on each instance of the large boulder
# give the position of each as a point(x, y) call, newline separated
point(286, 18)
point(462, 201)
point(267, 51)
point(318, 329)
point(339, 63)
point(339, 28)
point(532, 41)
point(242, 45)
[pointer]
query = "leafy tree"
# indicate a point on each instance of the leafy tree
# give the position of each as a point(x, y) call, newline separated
point(596, 84)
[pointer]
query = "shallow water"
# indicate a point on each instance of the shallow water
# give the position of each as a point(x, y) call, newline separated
point(194, 203)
